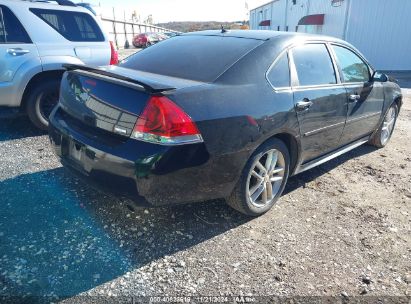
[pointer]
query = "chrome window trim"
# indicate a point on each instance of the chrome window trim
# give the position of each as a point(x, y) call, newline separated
point(296, 82)
point(353, 84)
point(359, 55)
point(319, 86)
point(335, 63)
point(276, 89)
point(291, 65)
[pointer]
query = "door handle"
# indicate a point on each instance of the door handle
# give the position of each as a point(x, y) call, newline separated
point(354, 97)
point(304, 104)
point(17, 52)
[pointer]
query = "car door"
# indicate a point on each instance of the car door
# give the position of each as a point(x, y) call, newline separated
point(320, 100)
point(16, 48)
point(365, 97)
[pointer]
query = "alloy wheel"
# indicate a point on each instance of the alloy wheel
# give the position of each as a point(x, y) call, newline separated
point(265, 178)
point(388, 125)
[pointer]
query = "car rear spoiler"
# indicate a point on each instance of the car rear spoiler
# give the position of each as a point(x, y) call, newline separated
point(149, 88)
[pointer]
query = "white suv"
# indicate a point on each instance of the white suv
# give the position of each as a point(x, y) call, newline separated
point(36, 39)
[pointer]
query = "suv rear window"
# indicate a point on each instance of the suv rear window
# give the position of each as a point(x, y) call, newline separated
point(73, 26)
point(201, 58)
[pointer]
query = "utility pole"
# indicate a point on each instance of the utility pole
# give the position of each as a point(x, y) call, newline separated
point(126, 44)
point(286, 15)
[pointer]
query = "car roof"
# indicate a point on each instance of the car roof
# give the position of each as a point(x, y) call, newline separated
point(43, 4)
point(264, 35)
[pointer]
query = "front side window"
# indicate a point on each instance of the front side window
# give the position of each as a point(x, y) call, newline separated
point(352, 67)
point(313, 64)
point(279, 74)
point(73, 26)
point(11, 30)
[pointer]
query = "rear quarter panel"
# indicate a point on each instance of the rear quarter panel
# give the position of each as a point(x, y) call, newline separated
point(11, 92)
point(241, 110)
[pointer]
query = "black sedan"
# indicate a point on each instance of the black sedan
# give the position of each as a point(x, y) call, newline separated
point(216, 114)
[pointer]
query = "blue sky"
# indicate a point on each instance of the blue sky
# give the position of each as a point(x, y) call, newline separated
point(183, 10)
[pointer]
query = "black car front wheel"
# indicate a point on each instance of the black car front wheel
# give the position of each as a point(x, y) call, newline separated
point(41, 102)
point(263, 179)
point(383, 135)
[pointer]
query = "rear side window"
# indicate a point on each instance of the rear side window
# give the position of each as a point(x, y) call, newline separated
point(313, 64)
point(73, 26)
point(279, 74)
point(11, 30)
point(201, 58)
point(353, 67)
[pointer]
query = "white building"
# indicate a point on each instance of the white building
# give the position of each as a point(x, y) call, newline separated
point(380, 29)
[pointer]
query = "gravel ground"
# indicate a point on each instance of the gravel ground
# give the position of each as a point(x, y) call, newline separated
point(343, 228)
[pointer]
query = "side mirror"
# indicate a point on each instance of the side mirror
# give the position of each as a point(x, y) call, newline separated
point(379, 77)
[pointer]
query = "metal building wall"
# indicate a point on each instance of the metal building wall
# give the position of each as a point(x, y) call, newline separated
point(259, 14)
point(381, 30)
point(273, 11)
point(335, 16)
point(286, 15)
point(277, 15)
point(378, 28)
point(295, 12)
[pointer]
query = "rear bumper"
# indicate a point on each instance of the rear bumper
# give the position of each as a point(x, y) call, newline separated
point(145, 172)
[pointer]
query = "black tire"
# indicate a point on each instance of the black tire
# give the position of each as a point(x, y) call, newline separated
point(239, 198)
point(377, 139)
point(41, 101)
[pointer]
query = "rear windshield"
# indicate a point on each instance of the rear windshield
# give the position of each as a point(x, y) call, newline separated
point(201, 58)
point(73, 26)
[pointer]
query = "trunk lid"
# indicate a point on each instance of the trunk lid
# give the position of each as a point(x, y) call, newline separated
point(110, 98)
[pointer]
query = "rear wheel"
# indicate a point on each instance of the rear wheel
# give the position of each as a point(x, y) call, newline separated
point(41, 102)
point(384, 133)
point(263, 179)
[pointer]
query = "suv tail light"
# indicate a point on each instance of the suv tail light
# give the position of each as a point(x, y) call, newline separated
point(163, 122)
point(114, 54)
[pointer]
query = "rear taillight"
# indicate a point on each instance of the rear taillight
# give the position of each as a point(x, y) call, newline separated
point(163, 122)
point(114, 54)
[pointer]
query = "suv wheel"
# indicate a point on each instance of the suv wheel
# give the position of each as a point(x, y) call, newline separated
point(41, 102)
point(263, 179)
point(384, 132)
